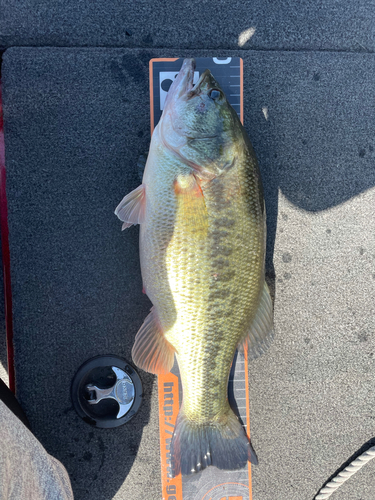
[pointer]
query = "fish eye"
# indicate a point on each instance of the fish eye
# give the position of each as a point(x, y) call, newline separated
point(214, 94)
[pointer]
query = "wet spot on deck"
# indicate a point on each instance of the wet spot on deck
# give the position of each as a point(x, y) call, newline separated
point(363, 337)
point(287, 257)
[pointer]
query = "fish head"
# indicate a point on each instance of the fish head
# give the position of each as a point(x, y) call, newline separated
point(199, 124)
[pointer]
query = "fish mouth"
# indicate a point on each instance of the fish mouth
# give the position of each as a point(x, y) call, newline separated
point(183, 85)
point(205, 83)
point(183, 82)
point(205, 76)
point(187, 74)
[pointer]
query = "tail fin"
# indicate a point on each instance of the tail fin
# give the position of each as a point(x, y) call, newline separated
point(224, 445)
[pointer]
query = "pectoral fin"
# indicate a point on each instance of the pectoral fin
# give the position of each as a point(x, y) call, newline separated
point(151, 351)
point(259, 337)
point(131, 209)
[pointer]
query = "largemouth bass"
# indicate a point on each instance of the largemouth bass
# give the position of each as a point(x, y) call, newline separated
point(202, 247)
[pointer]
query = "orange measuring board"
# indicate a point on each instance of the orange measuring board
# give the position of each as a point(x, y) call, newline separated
point(211, 483)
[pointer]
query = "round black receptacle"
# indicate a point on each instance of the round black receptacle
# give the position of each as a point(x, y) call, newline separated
point(106, 391)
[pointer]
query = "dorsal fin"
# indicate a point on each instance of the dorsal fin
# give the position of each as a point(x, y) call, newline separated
point(260, 335)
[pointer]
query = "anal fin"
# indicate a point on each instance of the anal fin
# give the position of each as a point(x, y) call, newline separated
point(260, 335)
point(151, 351)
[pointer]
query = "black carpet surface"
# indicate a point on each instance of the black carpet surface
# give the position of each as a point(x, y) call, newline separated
point(272, 25)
